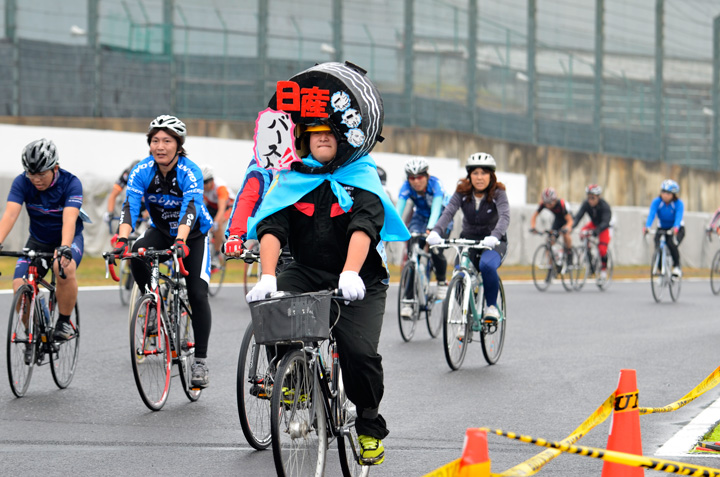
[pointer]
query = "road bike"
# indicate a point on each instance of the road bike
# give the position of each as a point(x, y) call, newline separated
point(590, 262)
point(463, 309)
point(661, 269)
point(33, 317)
point(714, 267)
point(161, 333)
point(417, 293)
point(217, 269)
point(126, 282)
point(255, 376)
point(309, 407)
point(549, 261)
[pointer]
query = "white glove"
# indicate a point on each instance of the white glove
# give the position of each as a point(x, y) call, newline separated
point(433, 238)
point(267, 284)
point(107, 216)
point(351, 286)
point(490, 241)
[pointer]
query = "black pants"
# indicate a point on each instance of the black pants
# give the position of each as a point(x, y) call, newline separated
point(357, 333)
point(198, 266)
point(672, 243)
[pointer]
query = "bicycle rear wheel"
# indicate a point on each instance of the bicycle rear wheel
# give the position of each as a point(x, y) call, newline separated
point(64, 354)
point(126, 282)
point(347, 441)
point(657, 276)
point(583, 268)
point(715, 274)
point(493, 336)
point(186, 338)
point(298, 421)
point(457, 329)
point(407, 282)
point(217, 277)
point(542, 267)
point(22, 340)
point(434, 315)
point(254, 391)
point(150, 354)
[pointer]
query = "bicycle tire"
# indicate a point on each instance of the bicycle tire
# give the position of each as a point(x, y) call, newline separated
point(674, 282)
point(715, 274)
point(298, 422)
point(457, 328)
point(492, 337)
point(609, 270)
point(185, 337)
point(542, 268)
point(151, 369)
point(19, 370)
point(657, 276)
point(408, 325)
point(64, 354)
point(217, 277)
point(253, 393)
point(434, 315)
point(126, 282)
point(583, 270)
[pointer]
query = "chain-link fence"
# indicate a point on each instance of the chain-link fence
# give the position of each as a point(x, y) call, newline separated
point(632, 78)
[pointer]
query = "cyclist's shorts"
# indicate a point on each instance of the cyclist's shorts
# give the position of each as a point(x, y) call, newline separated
point(22, 265)
point(226, 215)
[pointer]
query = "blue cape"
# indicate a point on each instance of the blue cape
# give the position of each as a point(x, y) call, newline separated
point(289, 186)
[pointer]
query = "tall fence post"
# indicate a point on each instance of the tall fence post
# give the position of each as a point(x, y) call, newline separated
point(94, 43)
point(337, 30)
point(11, 32)
point(472, 64)
point(599, 67)
point(531, 69)
point(168, 30)
point(409, 44)
point(716, 94)
point(262, 48)
point(659, 54)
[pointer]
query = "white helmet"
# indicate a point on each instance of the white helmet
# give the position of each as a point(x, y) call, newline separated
point(480, 159)
point(416, 166)
point(207, 172)
point(169, 122)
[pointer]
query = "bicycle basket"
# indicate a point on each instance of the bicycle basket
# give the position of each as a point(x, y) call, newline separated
point(304, 317)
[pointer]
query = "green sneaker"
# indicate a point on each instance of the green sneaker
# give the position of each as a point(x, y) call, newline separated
point(372, 451)
point(289, 397)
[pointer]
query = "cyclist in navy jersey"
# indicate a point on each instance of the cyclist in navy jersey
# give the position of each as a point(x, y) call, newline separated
point(428, 196)
point(172, 187)
point(563, 221)
point(52, 198)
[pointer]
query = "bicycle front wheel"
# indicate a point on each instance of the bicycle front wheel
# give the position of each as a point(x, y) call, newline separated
point(64, 354)
point(254, 390)
point(126, 282)
point(22, 340)
point(605, 283)
point(217, 277)
point(150, 354)
point(715, 274)
point(457, 329)
point(657, 276)
point(186, 339)
point(298, 421)
point(408, 320)
point(493, 336)
point(673, 281)
point(542, 267)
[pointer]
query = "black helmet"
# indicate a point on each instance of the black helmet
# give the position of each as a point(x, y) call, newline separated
point(39, 156)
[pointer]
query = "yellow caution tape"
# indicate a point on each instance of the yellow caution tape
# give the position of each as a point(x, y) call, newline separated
point(448, 470)
point(633, 460)
point(708, 383)
point(533, 465)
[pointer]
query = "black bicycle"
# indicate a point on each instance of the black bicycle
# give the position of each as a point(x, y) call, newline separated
point(31, 326)
point(161, 332)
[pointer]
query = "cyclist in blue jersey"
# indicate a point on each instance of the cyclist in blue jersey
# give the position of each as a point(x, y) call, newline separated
point(52, 198)
point(172, 187)
point(669, 211)
point(428, 196)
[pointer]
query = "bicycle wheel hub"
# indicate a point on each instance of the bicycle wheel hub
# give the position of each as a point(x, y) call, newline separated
point(298, 429)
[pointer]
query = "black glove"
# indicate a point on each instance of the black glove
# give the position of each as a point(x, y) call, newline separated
point(121, 246)
point(181, 248)
point(64, 251)
point(595, 232)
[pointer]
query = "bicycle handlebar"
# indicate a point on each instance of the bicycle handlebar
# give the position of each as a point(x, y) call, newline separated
point(142, 252)
point(32, 254)
point(447, 243)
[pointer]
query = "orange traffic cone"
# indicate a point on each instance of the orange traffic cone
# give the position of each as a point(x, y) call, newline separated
point(625, 427)
point(475, 461)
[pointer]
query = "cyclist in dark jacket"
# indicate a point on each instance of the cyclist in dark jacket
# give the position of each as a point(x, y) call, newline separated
point(600, 215)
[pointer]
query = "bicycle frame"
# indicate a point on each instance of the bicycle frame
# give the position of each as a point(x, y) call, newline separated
point(422, 277)
point(471, 276)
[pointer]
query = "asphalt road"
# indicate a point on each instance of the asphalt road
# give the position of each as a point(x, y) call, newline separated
point(561, 360)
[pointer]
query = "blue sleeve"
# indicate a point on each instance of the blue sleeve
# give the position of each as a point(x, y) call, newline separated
point(653, 212)
point(435, 210)
point(74, 194)
point(404, 193)
point(436, 186)
point(190, 181)
point(400, 206)
point(679, 213)
point(17, 190)
point(136, 186)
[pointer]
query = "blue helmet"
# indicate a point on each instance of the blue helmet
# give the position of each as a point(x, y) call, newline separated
point(670, 186)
